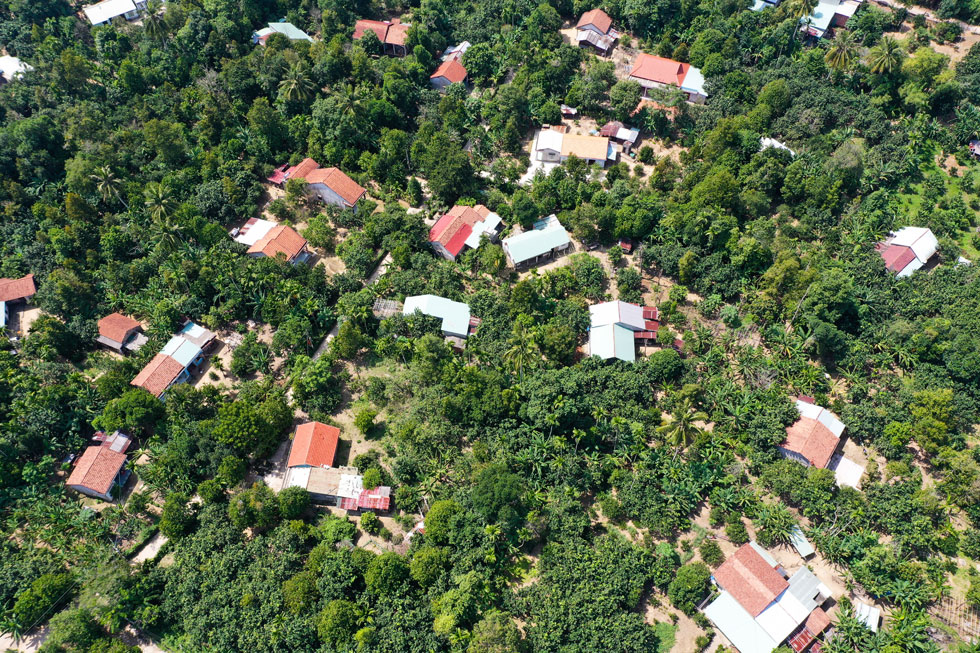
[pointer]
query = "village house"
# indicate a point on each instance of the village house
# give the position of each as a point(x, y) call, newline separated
point(455, 316)
point(120, 333)
point(463, 227)
point(817, 439)
point(102, 12)
point(828, 15)
point(392, 34)
point(449, 72)
point(908, 250)
point(330, 185)
point(554, 145)
point(546, 239)
point(14, 292)
point(340, 487)
point(616, 327)
point(650, 72)
point(288, 30)
point(101, 469)
point(177, 361)
point(760, 605)
point(266, 239)
point(594, 29)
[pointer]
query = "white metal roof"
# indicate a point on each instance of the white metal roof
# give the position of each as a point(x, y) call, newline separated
point(546, 235)
point(351, 486)
point(821, 415)
point(455, 315)
point(869, 615)
point(297, 477)
point(694, 82)
point(255, 232)
point(765, 143)
point(549, 139)
point(488, 225)
point(181, 350)
point(11, 67)
point(612, 341)
point(922, 242)
point(847, 472)
point(802, 545)
point(618, 312)
point(107, 10)
point(738, 626)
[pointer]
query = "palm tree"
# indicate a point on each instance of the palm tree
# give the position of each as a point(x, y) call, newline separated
point(681, 431)
point(523, 350)
point(885, 57)
point(159, 201)
point(154, 24)
point(296, 86)
point(843, 51)
point(107, 184)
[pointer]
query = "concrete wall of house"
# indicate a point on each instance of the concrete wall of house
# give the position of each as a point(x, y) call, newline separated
point(599, 162)
point(792, 455)
point(442, 251)
point(91, 493)
point(439, 82)
point(592, 28)
point(549, 155)
point(328, 196)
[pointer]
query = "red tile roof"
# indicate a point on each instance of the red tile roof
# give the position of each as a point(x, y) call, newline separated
point(812, 440)
point(597, 18)
point(451, 70)
point(362, 27)
point(97, 469)
point(397, 33)
point(453, 228)
point(158, 374)
point(11, 289)
point(335, 179)
point(658, 69)
point(897, 257)
point(117, 326)
point(301, 169)
point(818, 621)
point(280, 240)
point(315, 444)
point(752, 581)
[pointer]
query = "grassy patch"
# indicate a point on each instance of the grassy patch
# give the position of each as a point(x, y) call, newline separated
point(666, 636)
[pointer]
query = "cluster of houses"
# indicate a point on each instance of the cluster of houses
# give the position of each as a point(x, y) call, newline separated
point(14, 292)
point(461, 228)
point(311, 466)
point(827, 15)
point(177, 362)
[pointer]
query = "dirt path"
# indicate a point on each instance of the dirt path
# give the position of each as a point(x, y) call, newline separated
point(922, 11)
point(151, 549)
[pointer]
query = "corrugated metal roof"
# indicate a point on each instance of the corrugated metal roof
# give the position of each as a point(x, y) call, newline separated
point(455, 315)
point(537, 241)
point(739, 626)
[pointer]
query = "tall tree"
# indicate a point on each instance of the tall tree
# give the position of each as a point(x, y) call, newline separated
point(843, 50)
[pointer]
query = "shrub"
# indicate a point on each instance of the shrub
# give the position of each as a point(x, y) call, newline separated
point(689, 586)
point(372, 478)
point(711, 553)
point(176, 519)
point(364, 421)
point(736, 532)
point(294, 502)
point(371, 523)
point(211, 490)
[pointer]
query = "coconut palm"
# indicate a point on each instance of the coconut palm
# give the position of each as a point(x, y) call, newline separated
point(107, 184)
point(154, 23)
point(680, 431)
point(159, 201)
point(843, 51)
point(885, 57)
point(523, 352)
point(296, 86)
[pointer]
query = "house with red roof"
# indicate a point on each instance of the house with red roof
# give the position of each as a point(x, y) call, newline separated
point(652, 72)
point(183, 354)
point(393, 34)
point(463, 227)
point(279, 240)
point(120, 333)
point(330, 185)
point(815, 437)
point(314, 445)
point(907, 250)
point(14, 291)
point(594, 29)
point(101, 469)
point(760, 606)
point(450, 71)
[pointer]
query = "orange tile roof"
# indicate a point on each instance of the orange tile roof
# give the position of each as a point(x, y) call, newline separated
point(671, 112)
point(362, 27)
point(658, 69)
point(117, 326)
point(335, 179)
point(280, 240)
point(585, 147)
point(397, 34)
point(818, 621)
point(812, 440)
point(11, 289)
point(752, 581)
point(97, 469)
point(451, 70)
point(158, 374)
point(315, 444)
point(596, 17)
point(301, 169)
